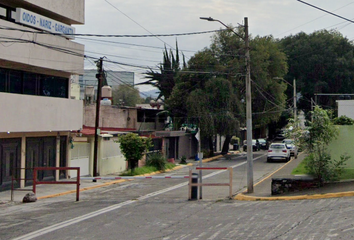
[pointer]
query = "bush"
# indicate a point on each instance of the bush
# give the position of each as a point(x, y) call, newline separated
point(183, 160)
point(343, 120)
point(156, 160)
point(235, 140)
point(323, 168)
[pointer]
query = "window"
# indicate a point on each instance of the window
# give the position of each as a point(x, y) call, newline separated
point(2, 80)
point(15, 81)
point(30, 83)
point(54, 86)
point(7, 13)
point(21, 82)
point(2, 12)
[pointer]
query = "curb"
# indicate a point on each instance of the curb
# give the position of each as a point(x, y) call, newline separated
point(243, 197)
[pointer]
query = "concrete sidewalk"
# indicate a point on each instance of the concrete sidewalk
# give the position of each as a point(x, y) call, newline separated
point(262, 189)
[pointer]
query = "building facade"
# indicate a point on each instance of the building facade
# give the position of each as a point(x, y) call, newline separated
point(37, 59)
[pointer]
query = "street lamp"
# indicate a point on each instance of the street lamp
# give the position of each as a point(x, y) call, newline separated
point(248, 100)
point(294, 95)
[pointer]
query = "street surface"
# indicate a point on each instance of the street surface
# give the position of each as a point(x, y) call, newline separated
point(159, 209)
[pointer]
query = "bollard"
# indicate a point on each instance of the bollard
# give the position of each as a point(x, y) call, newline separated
point(194, 195)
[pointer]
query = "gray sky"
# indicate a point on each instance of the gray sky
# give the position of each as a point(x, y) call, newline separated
point(138, 17)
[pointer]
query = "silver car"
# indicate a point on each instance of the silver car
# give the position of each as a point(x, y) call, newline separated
point(278, 151)
point(292, 147)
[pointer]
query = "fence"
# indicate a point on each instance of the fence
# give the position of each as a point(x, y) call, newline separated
point(191, 184)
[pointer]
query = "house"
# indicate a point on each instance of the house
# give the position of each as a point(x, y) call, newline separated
point(36, 65)
point(115, 120)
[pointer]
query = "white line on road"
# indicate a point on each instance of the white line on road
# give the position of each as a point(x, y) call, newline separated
point(60, 225)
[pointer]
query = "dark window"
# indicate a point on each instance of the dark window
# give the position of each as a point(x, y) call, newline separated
point(15, 80)
point(33, 84)
point(30, 84)
point(2, 80)
point(54, 86)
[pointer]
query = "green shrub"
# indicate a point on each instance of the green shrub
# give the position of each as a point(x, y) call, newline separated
point(323, 168)
point(235, 140)
point(343, 120)
point(183, 160)
point(156, 160)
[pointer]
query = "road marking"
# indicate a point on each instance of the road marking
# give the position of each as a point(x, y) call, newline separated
point(67, 223)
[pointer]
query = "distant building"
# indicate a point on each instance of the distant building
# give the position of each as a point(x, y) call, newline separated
point(114, 79)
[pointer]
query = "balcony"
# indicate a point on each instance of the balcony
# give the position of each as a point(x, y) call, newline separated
point(26, 113)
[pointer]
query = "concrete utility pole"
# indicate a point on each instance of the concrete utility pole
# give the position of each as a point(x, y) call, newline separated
point(248, 101)
point(99, 77)
point(248, 113)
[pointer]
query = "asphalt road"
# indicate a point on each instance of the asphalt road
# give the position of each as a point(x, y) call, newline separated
point(159, 209)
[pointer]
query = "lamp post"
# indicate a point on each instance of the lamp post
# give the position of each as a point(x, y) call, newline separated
point(248, 100)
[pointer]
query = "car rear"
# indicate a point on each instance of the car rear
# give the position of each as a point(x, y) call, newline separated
point(278, 151)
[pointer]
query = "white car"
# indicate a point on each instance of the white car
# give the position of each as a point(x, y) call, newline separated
point(278, 151)
point(292, 147)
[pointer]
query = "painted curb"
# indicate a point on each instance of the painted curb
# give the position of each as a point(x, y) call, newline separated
point(243, 197)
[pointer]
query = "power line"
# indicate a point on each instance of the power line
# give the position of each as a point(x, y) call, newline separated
point(326, 11)
point(114, 35)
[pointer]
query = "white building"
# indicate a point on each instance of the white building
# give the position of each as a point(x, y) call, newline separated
point(37, 60)
point(345, 108)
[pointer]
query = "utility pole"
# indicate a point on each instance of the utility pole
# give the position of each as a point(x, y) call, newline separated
point(248, 113)
point(99, 77)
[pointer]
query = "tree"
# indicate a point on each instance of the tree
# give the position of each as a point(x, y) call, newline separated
point(319, 163)
point(165, 79)
point(126, 95)
point(224, 59)
point(321, 62)
point(133, 148)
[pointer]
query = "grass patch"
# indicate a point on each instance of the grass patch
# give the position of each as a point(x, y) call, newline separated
point(145, 170)
point(348, 173)
point(300, 169)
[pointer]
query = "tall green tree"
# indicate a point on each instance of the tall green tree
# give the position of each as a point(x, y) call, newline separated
point(225, 59)
point(126, 95)
point(321, 62)
point(164, 79)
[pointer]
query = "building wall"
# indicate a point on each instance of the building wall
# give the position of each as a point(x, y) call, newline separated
point(345, 108)
point(26, 113)
point(39, 59)
point(111, 158)
point(110, 116)
point(67, 11)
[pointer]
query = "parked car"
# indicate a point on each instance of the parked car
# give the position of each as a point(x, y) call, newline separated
point(255, 145)
point(263, 143)
point(278, 151)
point(290, 143)
point(280, 135)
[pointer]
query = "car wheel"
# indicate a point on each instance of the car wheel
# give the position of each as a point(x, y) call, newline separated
point(268, 160)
